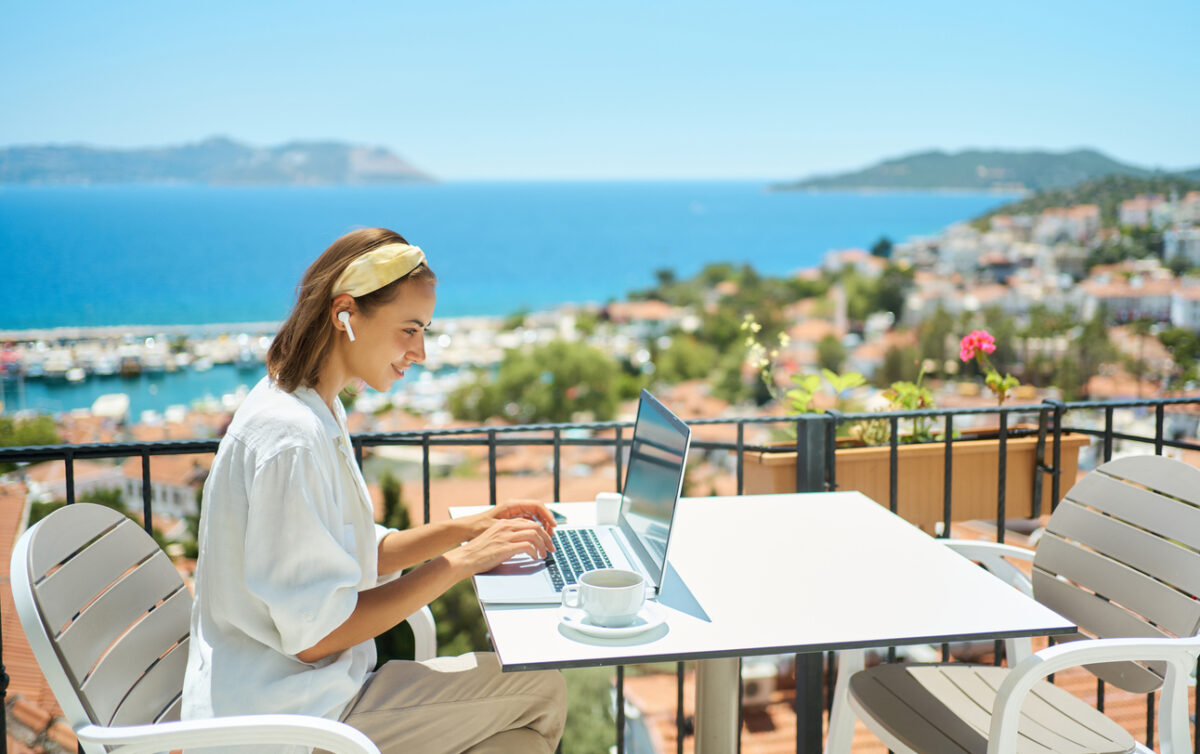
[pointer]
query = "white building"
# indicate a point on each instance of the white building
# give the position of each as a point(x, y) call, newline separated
point(1185, 305)
point(173, 484)
point(1182, 242)
point(1127, 300)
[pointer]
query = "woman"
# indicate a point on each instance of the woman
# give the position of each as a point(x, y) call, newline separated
point(295, 579)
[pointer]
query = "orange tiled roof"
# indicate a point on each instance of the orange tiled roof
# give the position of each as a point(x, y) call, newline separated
point(25, 677)
point(640, 311)
point(175, 470)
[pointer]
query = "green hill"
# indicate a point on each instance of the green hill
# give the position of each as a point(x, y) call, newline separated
point(978, 170)
point(1107, 192)
point(213, 161)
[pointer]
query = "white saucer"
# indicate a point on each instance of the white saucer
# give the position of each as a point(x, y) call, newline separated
point(650, 616)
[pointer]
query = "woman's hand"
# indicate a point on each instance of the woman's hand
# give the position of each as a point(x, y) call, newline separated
point(527, 509)
point(502, 540)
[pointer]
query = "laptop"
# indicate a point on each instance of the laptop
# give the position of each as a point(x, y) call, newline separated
point(639, 539)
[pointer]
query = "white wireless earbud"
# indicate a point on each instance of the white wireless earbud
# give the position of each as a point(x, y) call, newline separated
point(344, 318)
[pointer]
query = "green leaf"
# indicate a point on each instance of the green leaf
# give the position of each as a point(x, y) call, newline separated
point(809, 383)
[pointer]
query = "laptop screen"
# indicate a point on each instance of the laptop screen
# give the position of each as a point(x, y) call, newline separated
point(654, 480)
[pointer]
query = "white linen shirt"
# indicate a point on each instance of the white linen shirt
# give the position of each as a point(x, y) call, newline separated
point(287, 540)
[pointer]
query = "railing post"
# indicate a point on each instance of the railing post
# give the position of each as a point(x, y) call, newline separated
point(833, 419)
point(894, 464)
point(810, 453)
point(620, 461)
point(679, 705)
point(948, 475)
point(491, 435)
point(147, 495)
point(1159, 419)
point(425, 474)
point(1056, 480)
point(557, 464)
point(740, 460)
point(620, 709)
point(3, 698)
point(1039, 460)
point(812, 460)
point(1002, 492)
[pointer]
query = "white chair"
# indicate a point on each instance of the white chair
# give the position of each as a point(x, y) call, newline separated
point(1119, 558)
point(108, 617)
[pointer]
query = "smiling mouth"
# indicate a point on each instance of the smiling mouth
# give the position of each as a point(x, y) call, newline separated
point(397, 371)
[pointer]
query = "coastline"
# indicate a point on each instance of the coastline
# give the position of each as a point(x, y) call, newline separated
point(210, 329)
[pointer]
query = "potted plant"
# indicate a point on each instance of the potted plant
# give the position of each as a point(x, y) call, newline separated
point(863, 456)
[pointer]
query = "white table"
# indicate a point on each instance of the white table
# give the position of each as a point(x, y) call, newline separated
point(767, 574)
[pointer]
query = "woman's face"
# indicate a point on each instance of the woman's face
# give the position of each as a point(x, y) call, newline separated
point(391, 338)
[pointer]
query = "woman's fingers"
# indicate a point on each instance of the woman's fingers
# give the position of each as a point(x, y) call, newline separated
point(529, 509)
point(529, 531)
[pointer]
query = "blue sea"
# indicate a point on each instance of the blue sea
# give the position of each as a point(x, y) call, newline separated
point(172, 255)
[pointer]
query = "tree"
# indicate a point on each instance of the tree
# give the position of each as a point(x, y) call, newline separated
point(882, 248)
point(933, 335)
point(899, 364)
point(831, 353)
point(17, 433)
point(1184, 347)
point(686, 358)
point(552, 382)
point(395, 512)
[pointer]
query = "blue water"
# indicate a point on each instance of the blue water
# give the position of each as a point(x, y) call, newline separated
point(197, 254)
point(147, 392)
point(91, 256)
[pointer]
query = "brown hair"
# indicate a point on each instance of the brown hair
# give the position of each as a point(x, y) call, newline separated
point(304, 340)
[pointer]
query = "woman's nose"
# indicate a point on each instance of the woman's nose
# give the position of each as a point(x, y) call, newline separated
point(416, 354)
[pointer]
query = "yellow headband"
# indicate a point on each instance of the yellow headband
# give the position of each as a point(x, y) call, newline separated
point(377, 268)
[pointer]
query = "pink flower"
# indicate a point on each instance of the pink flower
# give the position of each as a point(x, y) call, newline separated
point(978, 340)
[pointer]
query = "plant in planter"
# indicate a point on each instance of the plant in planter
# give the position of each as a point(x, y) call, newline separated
point(977, 345)
point(921, 457)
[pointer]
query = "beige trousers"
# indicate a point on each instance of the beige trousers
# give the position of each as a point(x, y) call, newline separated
point(460, 704)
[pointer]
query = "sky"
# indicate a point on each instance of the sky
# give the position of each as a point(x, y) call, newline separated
point(624, 89)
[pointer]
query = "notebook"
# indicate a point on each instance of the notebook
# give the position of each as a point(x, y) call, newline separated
point(641, 536)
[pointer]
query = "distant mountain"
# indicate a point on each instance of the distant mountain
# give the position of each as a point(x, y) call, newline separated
point(214, 161)
point(979, 170)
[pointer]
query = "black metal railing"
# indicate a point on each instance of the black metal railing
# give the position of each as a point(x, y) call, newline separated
point(816, 470)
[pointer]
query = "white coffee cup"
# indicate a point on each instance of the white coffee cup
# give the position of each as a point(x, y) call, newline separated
point(608, 508)
point(608, 596)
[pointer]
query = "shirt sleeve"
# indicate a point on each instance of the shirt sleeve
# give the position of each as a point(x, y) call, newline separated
point(381, 531)
point(300, 557)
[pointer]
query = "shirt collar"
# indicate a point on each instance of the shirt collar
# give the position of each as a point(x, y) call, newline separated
point(334, 423)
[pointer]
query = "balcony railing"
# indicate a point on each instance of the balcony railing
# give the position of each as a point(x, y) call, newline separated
point(815, 443)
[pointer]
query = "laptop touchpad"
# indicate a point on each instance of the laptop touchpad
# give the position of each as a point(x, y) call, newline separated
point(516, 566)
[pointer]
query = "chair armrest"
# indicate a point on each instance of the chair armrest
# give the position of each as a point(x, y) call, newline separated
point(301, 730)
point(424, 634)
point(994, 557)
point(1179, 654)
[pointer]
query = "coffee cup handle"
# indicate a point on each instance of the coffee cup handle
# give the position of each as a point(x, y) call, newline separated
point(567, 592)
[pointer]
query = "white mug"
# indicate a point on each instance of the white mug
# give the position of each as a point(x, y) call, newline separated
point(609, 596)
point(608, 508)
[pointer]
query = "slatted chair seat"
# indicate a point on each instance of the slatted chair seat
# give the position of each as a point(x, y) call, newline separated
point(108, 617)
point(947, 708)
point(1120, 558)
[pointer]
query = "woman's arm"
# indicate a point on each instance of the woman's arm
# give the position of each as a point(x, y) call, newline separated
point(380, 608)
point(406, 548)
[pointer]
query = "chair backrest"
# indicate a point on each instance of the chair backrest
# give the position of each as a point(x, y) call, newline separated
point(1119, 558)
point(106, 613)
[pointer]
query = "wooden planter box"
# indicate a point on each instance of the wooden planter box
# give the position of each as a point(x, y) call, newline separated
point(920, 479)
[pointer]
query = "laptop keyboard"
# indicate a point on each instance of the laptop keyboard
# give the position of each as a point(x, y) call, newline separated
point(576, 551)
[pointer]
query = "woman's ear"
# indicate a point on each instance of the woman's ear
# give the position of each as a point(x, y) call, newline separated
point(341, 310)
